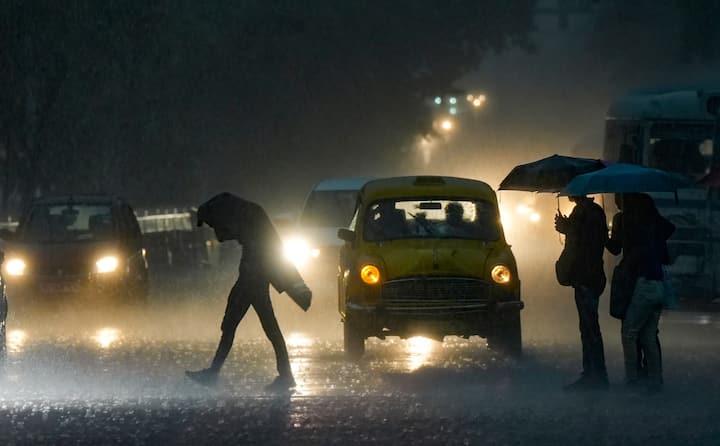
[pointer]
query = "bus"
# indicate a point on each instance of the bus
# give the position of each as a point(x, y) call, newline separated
point(676, 129)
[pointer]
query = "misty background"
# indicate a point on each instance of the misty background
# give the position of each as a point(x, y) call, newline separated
point(170, 102)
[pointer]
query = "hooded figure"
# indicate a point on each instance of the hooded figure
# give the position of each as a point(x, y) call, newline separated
point(262, 264)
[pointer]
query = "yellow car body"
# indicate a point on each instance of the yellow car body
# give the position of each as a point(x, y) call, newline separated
point(415, 271)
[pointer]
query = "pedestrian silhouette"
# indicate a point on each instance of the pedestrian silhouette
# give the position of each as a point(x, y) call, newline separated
point(261, 265)
point(586, 234)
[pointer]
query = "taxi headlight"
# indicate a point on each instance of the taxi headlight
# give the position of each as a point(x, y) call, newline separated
point(107, 264)
point(370, 274)
point(501, 274)
point(15, 267)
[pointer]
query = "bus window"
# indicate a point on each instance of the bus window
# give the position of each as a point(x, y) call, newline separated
point(688, 157)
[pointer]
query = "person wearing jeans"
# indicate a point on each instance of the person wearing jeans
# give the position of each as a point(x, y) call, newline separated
point(640, 327)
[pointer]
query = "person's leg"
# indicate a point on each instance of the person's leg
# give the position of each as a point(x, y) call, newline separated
point(269, 323)
point(581, 305)
point(637, 315)
point(650, 344)
point(587, 302)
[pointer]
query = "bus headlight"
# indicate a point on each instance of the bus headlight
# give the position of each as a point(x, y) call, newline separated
point(107, 264)
point(15, 267)
point(501, 274)
point(370, 274)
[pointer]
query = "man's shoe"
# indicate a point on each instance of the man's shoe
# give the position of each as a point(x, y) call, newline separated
point(281, 383)
point(206, 377)
point(588, 382)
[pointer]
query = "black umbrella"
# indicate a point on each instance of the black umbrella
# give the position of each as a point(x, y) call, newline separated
point(549, 174)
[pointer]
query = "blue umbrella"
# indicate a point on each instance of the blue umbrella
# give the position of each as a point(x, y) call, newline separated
point(625, 178)
point(549, 174)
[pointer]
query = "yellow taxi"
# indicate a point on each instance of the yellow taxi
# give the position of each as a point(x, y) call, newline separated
point(426, 255)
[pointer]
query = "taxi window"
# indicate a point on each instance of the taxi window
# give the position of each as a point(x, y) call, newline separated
point(431, 218)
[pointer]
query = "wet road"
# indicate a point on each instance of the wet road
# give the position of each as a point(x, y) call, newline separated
point(115, 376)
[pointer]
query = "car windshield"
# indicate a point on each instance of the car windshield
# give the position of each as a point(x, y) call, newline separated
point(431, 218)
point(67, 223)
point(329, 208)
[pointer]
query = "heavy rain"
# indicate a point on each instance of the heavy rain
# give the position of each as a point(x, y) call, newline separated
point(119, 120)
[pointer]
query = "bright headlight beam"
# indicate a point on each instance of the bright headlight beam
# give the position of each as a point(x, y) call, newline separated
point(297, 251)
point(107, 264)
point(15, 267)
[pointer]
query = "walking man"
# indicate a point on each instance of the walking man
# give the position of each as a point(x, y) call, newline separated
point(262, 264)
point(586, 234)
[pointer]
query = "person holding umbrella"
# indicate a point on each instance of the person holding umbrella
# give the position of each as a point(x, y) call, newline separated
point(640, 234)
point(262, 264)
point(586, 235)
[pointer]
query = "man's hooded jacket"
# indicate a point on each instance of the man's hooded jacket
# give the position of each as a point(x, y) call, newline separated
point(262, 247)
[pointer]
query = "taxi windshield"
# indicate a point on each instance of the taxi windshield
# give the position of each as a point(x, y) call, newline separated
point(67, 223)
point(431, 218)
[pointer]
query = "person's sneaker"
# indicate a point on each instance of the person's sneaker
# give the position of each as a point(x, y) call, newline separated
point(281, 383)
point(206, 377)
point(588, 382)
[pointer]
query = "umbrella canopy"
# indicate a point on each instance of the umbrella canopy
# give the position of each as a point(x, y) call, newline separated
point(549, 174)
point(625, 178)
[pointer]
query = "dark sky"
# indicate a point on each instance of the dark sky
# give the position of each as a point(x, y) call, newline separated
point(170, 102)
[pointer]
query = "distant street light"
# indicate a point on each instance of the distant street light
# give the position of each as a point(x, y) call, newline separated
point(447, 125)
point(478, 101)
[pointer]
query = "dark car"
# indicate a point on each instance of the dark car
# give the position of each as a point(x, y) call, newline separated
point(86, 246)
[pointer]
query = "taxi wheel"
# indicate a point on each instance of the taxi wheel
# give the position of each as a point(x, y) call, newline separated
point(507, 335)
point(354, 339)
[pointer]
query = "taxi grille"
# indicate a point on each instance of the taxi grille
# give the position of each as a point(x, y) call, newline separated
point(435, 296)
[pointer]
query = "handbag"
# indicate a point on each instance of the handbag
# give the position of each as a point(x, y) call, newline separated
point(622, 287)
point(565, 266)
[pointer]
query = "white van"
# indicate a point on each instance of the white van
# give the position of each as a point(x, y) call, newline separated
point(329, 206)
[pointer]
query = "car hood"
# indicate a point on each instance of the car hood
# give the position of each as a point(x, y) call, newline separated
point(442, 257)
point(48, 258)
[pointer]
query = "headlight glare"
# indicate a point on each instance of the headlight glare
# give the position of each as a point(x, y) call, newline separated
point(370, 274)
point(501, 274)
point(107, 264)
point(15, 267)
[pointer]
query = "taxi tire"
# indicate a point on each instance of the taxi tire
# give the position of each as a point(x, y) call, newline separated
point(353, 338)
point(507, 335)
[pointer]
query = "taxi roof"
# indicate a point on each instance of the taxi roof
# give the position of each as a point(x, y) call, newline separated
point(426, 186)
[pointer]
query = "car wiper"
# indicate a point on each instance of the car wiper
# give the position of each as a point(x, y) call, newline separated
point(425, 224)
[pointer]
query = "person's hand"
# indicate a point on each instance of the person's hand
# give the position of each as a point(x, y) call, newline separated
point(560, 222)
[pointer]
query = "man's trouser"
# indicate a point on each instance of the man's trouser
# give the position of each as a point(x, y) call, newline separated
point(587, 302)
point(246, 293)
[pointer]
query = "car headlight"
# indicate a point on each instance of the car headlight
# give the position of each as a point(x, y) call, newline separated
point(15, 267)
point(298, 251)
point(500, 274)
point(370, 274)
point(107, 264)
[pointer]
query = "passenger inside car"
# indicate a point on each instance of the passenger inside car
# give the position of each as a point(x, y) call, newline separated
point(455, 225)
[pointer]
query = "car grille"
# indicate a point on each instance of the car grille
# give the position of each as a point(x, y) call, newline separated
point(435, 296)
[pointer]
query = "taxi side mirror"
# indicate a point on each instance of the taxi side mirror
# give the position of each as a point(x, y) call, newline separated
point(346, 234)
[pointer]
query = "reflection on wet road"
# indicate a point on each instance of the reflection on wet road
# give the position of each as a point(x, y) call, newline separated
point(116, 376)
